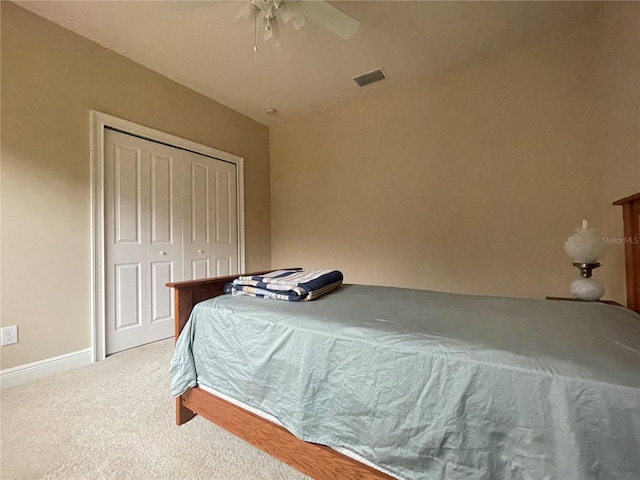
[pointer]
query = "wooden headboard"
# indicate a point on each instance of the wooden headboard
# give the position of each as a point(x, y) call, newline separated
point(631, 221)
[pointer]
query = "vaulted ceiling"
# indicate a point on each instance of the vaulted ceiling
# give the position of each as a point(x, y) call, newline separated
point(202, 46)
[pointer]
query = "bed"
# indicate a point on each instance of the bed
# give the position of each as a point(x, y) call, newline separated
point(591, 427)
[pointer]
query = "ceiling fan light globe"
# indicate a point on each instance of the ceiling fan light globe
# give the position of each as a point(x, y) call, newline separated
point(299, 21)
point(286, 14)
point(271, 38)
point(246, 12)
point(272, 31)
point(269, 13)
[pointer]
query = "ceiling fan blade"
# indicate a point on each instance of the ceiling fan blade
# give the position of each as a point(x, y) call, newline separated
point(327, 16)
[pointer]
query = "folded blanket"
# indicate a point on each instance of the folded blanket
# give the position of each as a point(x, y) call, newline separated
point(289, 285)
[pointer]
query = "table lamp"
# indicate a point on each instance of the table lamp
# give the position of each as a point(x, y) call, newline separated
point(585, 247)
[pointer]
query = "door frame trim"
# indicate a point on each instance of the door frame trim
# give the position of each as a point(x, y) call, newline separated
point(98, 122)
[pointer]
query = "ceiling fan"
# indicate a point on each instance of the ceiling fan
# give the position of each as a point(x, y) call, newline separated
point(269, 14)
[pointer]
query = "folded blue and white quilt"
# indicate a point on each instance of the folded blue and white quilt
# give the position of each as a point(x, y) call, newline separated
point(289, 285)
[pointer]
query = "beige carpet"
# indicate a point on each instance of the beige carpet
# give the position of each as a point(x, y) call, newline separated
point(115, 420)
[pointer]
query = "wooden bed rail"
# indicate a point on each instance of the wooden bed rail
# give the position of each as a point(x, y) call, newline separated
point(317, 461)
point(631, 220)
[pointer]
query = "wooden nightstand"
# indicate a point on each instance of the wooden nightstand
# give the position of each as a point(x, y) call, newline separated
point(608, 302)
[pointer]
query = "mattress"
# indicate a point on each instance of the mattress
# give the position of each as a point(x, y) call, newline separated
point(432, 385)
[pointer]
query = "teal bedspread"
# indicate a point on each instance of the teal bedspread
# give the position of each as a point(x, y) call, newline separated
point(431, 385)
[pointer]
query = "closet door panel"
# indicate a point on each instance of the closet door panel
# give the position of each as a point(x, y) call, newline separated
point(210, 216)
point(143, 239)
point(226, 219)
point(164, 249)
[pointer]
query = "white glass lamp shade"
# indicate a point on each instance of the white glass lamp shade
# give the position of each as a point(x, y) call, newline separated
point(585, 246)
point(587, 289)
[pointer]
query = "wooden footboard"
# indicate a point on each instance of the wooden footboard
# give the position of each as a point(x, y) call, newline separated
point(186, 295)
point(631, 222)
point(318, 461)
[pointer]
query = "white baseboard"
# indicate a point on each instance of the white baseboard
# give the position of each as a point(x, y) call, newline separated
point(31, 371)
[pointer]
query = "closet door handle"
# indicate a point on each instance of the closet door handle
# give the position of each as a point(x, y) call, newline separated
point(162, 252)
point(200, 251)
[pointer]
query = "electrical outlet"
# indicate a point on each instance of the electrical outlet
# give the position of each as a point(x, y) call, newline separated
point(9, 335)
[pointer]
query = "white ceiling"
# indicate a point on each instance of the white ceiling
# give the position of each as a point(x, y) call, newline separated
point(202, 46)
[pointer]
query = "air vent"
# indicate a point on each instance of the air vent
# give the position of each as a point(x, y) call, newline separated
point(371, 77)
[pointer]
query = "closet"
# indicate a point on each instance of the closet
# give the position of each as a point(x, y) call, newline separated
point(169, 215)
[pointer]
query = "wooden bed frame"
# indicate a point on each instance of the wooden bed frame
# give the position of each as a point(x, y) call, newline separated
point(318, 461)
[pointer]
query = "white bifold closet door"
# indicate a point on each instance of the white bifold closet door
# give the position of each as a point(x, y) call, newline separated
point(170, 215)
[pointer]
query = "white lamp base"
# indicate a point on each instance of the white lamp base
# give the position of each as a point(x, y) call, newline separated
point(587, 289)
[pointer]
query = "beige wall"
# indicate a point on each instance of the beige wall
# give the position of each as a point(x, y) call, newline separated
point(616, 78)
point(472, 181)
point(51, 78)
